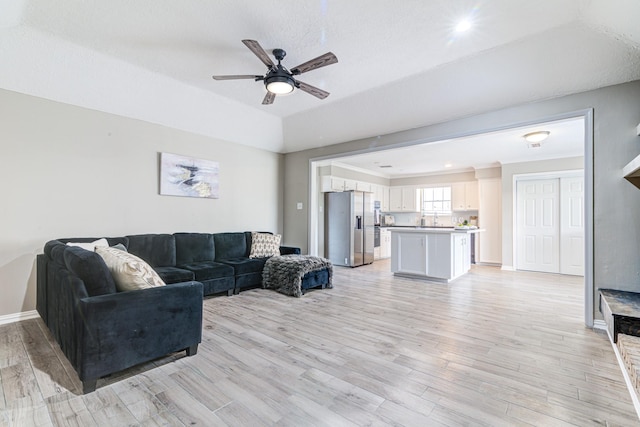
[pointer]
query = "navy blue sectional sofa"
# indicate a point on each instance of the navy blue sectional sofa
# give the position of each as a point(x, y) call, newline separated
point(102, 331)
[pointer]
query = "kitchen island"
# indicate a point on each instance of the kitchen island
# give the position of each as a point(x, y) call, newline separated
point(440, 254)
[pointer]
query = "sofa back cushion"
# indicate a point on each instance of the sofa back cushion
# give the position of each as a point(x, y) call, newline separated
point(54, 249)
point(194, 247)
point(158, 250)
point(129, 272)
point(230, 245)
point(264, 245)
point(91, 269)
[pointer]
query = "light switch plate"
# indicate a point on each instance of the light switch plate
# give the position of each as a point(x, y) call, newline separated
point(299, 206)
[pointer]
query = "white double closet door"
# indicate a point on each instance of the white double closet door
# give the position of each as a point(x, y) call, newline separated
point(550, 224)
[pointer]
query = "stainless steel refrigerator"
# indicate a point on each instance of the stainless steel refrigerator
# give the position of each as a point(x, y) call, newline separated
point(349, 228)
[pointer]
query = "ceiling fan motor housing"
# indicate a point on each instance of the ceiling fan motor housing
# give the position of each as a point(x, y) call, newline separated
point(279, 54)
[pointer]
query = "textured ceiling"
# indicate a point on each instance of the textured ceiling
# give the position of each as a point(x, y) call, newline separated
point(401, 65)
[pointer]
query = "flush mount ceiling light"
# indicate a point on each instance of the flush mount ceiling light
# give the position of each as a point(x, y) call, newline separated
point(538, 136)
point(534, 139)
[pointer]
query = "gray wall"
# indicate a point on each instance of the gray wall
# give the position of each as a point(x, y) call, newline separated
point(69, 172)
point(616, 113)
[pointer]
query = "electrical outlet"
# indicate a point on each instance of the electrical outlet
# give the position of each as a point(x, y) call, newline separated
point(299, 206)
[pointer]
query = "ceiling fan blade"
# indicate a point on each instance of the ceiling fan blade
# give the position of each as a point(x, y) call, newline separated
point(236, 77)
point(268, 98)
point(255, 47)
point(321, 61)
point(318, 93)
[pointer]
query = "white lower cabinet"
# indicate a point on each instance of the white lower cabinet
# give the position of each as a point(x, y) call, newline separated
point(461, 254)
point(410, 253)
point(434, 255)
point(385, 243)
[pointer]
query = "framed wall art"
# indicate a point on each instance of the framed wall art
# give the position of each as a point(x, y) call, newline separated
point(188, 177)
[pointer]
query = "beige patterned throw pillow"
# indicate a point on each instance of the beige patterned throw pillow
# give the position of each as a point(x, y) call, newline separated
point(264, 245)
point(129, 272)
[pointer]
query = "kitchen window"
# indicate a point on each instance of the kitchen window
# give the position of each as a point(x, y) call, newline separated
point(436, 199)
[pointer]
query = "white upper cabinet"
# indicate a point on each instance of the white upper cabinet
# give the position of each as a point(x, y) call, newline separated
point(395, 199)
point(403, 199)
point(349, 185)
point(464, 196)
point(363, 186)
point(331, 183)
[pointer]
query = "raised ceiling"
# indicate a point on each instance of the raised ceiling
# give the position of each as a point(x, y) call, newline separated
point(487, 150)
point(401, 65)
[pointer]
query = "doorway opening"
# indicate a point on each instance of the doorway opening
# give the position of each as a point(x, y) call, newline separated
point(316, 215)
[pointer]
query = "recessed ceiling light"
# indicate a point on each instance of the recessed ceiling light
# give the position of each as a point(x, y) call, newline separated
point(463, 26)
point(448, 165)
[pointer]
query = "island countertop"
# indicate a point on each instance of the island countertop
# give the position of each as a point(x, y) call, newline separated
point(434, 230)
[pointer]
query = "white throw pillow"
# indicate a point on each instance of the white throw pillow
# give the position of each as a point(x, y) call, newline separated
point(264, 245)
point(90, 246)
point(129, 272)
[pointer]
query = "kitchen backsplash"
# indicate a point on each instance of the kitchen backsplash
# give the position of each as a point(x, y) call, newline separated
point(414, 219)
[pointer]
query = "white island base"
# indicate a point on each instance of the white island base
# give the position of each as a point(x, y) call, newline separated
point(439, 254)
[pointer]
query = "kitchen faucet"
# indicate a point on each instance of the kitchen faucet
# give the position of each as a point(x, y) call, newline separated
point(435, 218)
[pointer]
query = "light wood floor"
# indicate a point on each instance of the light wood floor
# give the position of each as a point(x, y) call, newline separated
point(492, 348)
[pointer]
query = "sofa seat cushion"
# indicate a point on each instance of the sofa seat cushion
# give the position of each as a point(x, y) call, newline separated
point(174, 274)
point(244, 265)
point(207, 270)
point(91, 269)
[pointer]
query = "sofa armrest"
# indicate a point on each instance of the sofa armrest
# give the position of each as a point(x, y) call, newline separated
point(126, 328)
point(289, 250)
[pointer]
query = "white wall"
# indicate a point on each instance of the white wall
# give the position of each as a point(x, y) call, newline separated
point(67, 171)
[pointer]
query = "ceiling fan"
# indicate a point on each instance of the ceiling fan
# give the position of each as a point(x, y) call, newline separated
point(279, 80)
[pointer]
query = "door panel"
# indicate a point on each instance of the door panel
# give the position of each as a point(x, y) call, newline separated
point(537, 222)
point(550, 225)
point(572, 226)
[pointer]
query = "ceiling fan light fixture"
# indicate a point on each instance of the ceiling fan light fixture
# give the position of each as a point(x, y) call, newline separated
point(279, 85)
point(536, 137)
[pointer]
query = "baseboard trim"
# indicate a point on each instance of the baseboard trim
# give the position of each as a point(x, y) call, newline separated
point(507, 268)
point(16, 317)
point(599, 324)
